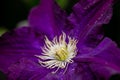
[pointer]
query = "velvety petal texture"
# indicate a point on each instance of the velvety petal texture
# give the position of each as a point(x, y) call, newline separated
point(26, 69)
point(87, 18)
point(97, 57)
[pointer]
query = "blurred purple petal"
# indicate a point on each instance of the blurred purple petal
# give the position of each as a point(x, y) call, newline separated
point(23, 42)
point(83, 69)
point(47, 18)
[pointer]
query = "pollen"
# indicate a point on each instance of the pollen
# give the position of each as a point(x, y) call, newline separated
point(59, 52)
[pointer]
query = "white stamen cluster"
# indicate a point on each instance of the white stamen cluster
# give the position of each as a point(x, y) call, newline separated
point(58, 53)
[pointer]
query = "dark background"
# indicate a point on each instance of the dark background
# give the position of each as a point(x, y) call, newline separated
point(112, 29)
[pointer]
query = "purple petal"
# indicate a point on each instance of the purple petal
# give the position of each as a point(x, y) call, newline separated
point(93, 69)
point(88, 16)
point(47, 18)
point(26, 69)
point(106, 56)
point(83, 69)
point(106, 50)
point(19, 43)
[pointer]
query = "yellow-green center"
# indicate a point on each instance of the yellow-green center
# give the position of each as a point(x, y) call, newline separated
point(61, 54)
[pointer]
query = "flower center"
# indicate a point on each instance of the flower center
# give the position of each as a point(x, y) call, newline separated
point(58, 53)
point(61, 54)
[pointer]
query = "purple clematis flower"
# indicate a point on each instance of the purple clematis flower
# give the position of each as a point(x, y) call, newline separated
point(56, 46)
